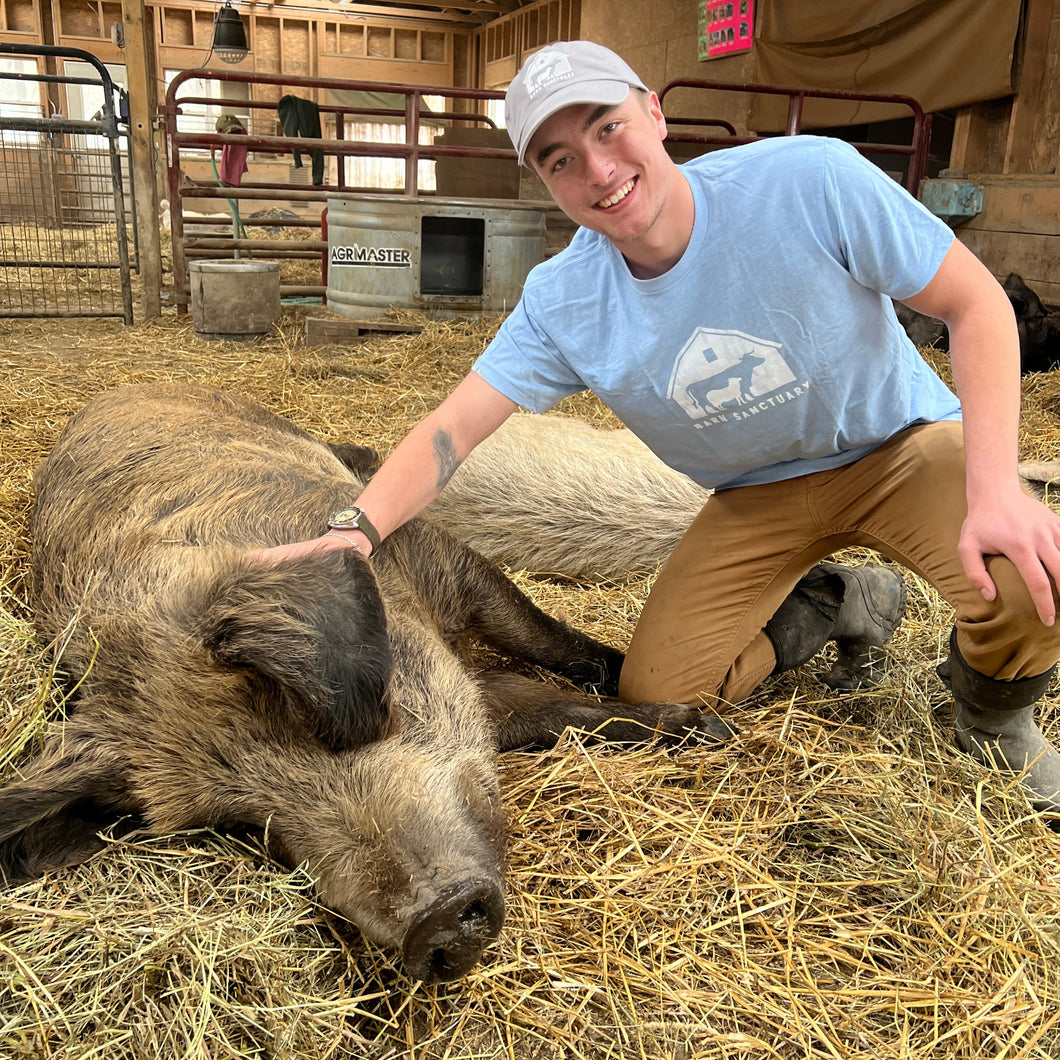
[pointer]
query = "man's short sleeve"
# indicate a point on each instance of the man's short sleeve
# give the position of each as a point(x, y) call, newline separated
point(892, 242)
point(523, 361)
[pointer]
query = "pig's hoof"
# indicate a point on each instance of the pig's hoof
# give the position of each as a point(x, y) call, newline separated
point(683, 721)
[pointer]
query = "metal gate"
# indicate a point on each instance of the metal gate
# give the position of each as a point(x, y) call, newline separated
point(64, 246)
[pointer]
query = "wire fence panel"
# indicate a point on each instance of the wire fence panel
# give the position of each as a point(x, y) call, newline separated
point(64, 249)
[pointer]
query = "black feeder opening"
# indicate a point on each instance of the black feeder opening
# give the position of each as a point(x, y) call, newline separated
point(452, 255)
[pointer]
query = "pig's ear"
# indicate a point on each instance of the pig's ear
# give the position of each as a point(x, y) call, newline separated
point(53, 817)
point(1021, 306)
point(311, 634)
point(1025, 301)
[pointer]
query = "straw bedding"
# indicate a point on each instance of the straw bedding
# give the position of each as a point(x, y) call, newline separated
point(836, 882)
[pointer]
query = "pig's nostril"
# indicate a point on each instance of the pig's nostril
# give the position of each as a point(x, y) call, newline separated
point(473, 913)
point(440, 968)
point(446, 941)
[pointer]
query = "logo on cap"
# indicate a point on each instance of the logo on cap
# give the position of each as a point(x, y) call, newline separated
point(545, 69)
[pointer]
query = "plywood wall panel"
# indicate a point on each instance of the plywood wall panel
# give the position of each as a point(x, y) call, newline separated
point(1023, 205)
point(433, 48)
point(370, 69)
point(380, 42)
point(78, 19)
point(266, 44)
point(21, 16)
point(1045, 142)
point(177, 28)
point(1035, 257)
point(406, 44)
point(665, 48)
point(296, 35)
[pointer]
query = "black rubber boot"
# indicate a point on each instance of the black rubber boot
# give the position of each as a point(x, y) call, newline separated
point(803, 623)
point(857, 607)
point(873, 606)
point(994, 722)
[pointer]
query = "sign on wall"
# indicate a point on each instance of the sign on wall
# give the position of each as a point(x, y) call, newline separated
point(725, 27)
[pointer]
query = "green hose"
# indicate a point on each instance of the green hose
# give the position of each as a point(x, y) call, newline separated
point(232, 205)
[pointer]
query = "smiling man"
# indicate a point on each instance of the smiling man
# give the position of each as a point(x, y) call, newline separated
point(603, 162)
point(735, 312)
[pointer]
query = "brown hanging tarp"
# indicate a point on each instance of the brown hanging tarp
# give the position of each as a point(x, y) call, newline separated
point(362, 98)
point(943, 53)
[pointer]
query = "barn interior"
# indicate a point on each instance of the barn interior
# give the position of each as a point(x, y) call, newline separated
point(840, 881)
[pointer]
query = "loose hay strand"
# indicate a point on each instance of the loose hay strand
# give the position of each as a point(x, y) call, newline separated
point(836, 882)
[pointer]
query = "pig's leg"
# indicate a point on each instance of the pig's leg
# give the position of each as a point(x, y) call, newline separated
point(527, 713)
point(360, 459)
point(466, 593)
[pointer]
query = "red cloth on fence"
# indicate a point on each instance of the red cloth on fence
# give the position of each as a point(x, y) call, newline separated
point(233, 164)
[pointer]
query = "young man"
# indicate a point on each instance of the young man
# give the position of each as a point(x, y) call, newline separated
point(736, 313)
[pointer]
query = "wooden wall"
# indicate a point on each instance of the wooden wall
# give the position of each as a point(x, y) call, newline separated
point(20, 22)
point(1018, 229)
point(660, 42)
point(664, 47)
point(505, 42)
point(1012, 148)
point(323, 40)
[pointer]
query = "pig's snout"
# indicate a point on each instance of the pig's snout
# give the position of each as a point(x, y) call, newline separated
point(446, 940)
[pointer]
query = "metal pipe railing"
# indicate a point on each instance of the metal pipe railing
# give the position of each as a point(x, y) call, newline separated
point(916, 151)
point(411, 150)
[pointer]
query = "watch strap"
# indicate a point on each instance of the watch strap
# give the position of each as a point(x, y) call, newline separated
point(355, 519)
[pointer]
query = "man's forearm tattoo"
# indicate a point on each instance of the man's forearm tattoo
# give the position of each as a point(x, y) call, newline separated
point(445, 454)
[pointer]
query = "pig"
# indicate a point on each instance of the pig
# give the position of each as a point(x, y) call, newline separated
point(555, 495)
point(327, 701)
point(921, 329)
point(1038, 326)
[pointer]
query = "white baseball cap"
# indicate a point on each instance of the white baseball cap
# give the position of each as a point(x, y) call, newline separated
point(559, 75)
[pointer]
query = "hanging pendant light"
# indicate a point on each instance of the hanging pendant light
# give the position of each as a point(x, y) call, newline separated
point(229, 35)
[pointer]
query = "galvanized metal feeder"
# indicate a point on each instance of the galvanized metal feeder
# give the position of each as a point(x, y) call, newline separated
point(443, 257)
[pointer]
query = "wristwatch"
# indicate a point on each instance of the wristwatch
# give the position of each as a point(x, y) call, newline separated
point(352, 518)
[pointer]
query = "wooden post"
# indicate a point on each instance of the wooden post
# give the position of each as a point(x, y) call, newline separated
point(1020, 148)
point(979, 136)
point(142, 107)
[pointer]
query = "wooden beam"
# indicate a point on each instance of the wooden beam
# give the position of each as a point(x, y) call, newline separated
point(1027, 103)
point(489, 7)
point(322, 330)
point(142, 98)
point(979, 136)
point(466, 13)
point(486, 7)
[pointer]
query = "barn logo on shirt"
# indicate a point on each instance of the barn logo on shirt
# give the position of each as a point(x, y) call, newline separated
point(726, 376)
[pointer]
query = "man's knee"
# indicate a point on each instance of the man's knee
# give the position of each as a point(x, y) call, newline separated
point(1007, 640)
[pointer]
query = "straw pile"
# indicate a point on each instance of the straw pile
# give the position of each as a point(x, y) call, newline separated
point(836, 882)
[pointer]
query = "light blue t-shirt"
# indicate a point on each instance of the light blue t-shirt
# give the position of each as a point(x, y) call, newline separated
point(771, 349)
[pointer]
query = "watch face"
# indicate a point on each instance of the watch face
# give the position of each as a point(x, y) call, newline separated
point(345, 517)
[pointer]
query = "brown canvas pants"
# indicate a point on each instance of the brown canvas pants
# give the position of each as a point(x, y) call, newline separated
point(700, 637)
